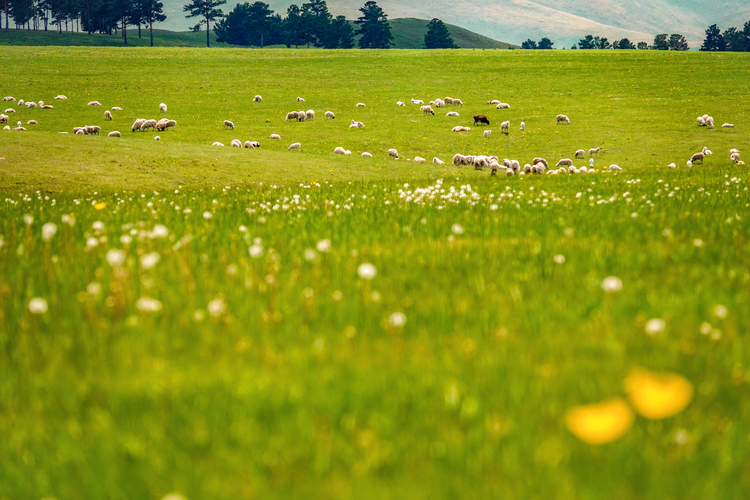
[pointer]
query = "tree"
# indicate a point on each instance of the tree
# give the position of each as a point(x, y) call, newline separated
point(735, 40)
point(295, 32)
point(248, 24)
point(374, 27)
point(660, 42)
point(587, 43)
point(677, 42)
point(340, 34)
point(714, 41)
point(317, 20)
point(746, 35)
point(21, 11)
point(623, 44)
point(545, 44)
point(205, 9)
point(151, 11)
point(528, 44)
point(438, 36)
point(602, 43)
point(642, 46)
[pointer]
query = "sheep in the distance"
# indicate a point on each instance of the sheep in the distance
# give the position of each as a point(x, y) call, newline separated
point(228, 124)
point(487, 133)
point(32, 122)
point(257, 98)
point(162, 107)
point(330, 115)
point(217, 144)
point(107, 114)
point(9, 98)
point(252, 144)
point(300, 99)
point(727, 125)
point(339, 151)
point(301, 115)
point(366, 155)
point(295, 147)
point(481, 119)
point(116, 108)
point(291, 116)
point(275, 136)
point(503, 105)
point(60, 97)
point(45, 106)
point(400, 103)
point(580, 153)
point(564, 161)
point(137, 124)
point(494, 101)
point(4, 118)
point(459, 128)
point(360, 105)
point(93, 103)
point(31, 105)
point(236, 143)
point(505, 127)
point(309, 114)
point(114, 133)
point(148, 124)
point(417, 101)
point(451, 113)
point(356, 124)
point(427, 110)
point(540, 160)
point(697, 157)
point(735, 157)
point(457, 102)
point(438, 161)
point(594, 151)
point(562, 119)
point(393, 153)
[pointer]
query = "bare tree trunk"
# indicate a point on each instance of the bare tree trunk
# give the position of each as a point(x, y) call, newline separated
point(6, 16)
point(208, 32)
point(151, 28)
point(139, 29)
point(124, 31)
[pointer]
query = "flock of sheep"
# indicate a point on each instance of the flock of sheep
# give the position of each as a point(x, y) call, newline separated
point(511, 167)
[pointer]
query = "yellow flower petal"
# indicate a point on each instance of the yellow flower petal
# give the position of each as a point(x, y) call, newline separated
point(600, 423)
point(658, 395)
point(100, 206)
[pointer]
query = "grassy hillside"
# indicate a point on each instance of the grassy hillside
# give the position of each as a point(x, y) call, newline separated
point(263, 323)
point(407, 34)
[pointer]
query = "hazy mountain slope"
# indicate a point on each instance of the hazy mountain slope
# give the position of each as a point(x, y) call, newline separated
point(564, 21)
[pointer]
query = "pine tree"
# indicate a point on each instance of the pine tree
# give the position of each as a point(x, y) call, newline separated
point(340, 34)
point(735, 40)
point(714, 41)
point(295, 32)
point(642, 46)
point(623, 44)
point(317, 19)
point(205, 9)
point(545, 44)
point(438, 36)
point(661, 42)
point(587, 42)
point(528, 44)
point(677, 42)
point(374, 27)
point(151, 11)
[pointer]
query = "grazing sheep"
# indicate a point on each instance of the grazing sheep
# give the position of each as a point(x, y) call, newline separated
point(735, 157)
point(418, 159)
point(107, 114)
point(93, 129)
point(427, 110)
point(594, 151)
point(452, 113)
point(515, 165)
point(161, 125)
point(727, 125)
point(505, 127)
point(457, 102)
point(217, 144)
point(503, 105)
point(301, 115)
point(60, 97)
point(292, 115)
point(19, 129)
point(252, 144)
point(347, 153)
point(236, 143)
point(562, 119)
point(701, 121)
point(257, 98)
point(229, 123)
point(564, 161)
point(527, 169)
point(300, 99)
point(523, 126)
point(459, 128)
point(44, 106)
point(509, 172)
point(356, 124)
point(459, 159)
point(162, 107)
point(540, 160)
point(21, 102)
point(10, 98)
point(32, 122)
point(438, 161)
point(707, 151)
point(366, 155)
point(710, 122)
point(114, 133)
point(309, 114)
point(671, 165)
point(583, 170)
point(400, 103)
point(157, 138)
point(572, 169)
point(439, 103)
point(116, 108)
point(4, 118)
point(10, 110)
point(481, 119)
point(330, 115)
point(137, 124)
point(481, 162)
point(417, 101)
point(580, 153)
point(360, 105)
point(689, 164)
point(393, 153)
point(295, 146)
point(31, 105)
point(614, 168)
point(740, 163)
point(170, 123)
point(487, 133)
point(733, 151)
point(339, 151)
point(697, 157)
point(80, 132)
point(148, 124)
point(94, 103)
point(494, 101)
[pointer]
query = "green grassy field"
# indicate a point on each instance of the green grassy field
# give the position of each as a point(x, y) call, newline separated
point(207, 327)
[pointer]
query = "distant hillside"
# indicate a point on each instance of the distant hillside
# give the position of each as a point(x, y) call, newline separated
point(407, 34)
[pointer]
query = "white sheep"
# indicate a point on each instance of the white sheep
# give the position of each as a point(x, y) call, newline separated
point(9, 98)
point(4, 118)
point(393, 153)
point(300, 99)
point(360, 105)
point(229, 123)
point(505, 127)
point(733, 151)
point(252, 144)
point(701, 121)
point(366, 155)
point(137, 124)
point(236, 143)
point(457, 102)
point(116, 108)
point(330, 115)
point(727, 125)
point(347, 153)
point(427, 110)
point(564, 161)
point(157, 138)
point(418, 159)
point(710, 122)
point(339, 151)
point(257, 98)
point(107, 114)
point(503, 105)
point(148, 124)
point(162, 107)
point(438, 161)
point(400, 103)
point(80, 132)
point(494, 101)
point(417, 101)
point(32, 122)
point(515, 165)
point(31, 105)
point(170, 123)
point(10, 110)
point(615, 168)
point(94, 103)
point(21, 102)
point(563, 119)
point(580, 153)
point(292, 115)
point(487, 133)
point(459, 159)
point(735, 157)
point(697, 157)
point(707, 151)
point(356, 124)
point(301, 115)
point(275, 136)
point(594, 151)
point(60, 97)
point(459, 128)
point(309, 114)
point(114, 133)
point(689, 164)
point(523, 126)
point(481, 162)
point(572, 169)
point(509, 172)
point(451, 113)
point(217, 144)
point(295, 147)
point(671, 165)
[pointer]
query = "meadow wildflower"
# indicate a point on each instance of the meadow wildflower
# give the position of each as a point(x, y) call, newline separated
point(147, 304)
point(397, 320)
point(98, 225)
point(324, 246)
point(48, 231)
point(560, 259)
point(367, 271)
point(612, 284)
point(658, 395)
point(217, 307)
point(149, 260)
point(91, 243)
point(600, 423)
point(38, 305)
point(720, 311)
point(256, 251)
point(655, 325)
point(116, 257)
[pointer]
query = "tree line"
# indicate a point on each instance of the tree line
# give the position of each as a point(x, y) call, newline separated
point(732, 40)
point(662, 41)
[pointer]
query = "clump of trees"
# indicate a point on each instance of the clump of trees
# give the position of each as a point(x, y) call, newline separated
point(544, 44)
point(661, 42)
point(732, 40)
point(438, 36)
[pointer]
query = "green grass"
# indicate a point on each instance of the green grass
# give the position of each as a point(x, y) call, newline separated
point(299, 385)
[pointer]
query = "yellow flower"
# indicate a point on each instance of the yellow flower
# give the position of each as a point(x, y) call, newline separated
point(658, 395)
point(100, 206)
point(600, 423)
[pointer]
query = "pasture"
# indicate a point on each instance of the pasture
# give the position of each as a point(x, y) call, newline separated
point(232, 323)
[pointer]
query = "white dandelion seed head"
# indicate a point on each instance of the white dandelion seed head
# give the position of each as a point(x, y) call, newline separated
point(38, 305)
point(655, 325)
point(697, 242)
point(337, 295)
point(48, 231)
point(324, 246)
point(612, 284)
point(310, 255)
point(116, 257)
point(28, 220)
point(217, 307)
point(199, 315)
point(126, 239)
point(457, 229)
point(232, 269)
point(91, 243)
point(397, 320)
point(149, 260)
point(681, 437)
point(243, 229)
point(706, 328)
point(720, 311)
point(207, 215)
point(94, 289)
point(560, 259)
point(147, 304)
point(160, 231)
point(256, 251)
point(98, 225)
point(367, 271)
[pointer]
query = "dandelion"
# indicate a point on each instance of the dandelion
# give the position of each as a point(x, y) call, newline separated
point(310, 255)
point(100, 206)
point(658, 395)
point(560, 259)
point(600, 423)
point(367, 271)
point(217, 307)
point(697, 242)
point(243, 229)
point(720, 311)
point(457, 229)
point(28, 220)
point(149, 260)
point(612, 284)
point(681, 437)
point(48, 231)
point(655, 325)
point(91, 243)
point(37, 305)
point(199, 315)
point(147, 304)
point(160, 231)
point(706, 328)
point(397, 320)
point(126, 239)
point(232, 269)
point(337, 295)
point(94, 289)
point(256, 251)
point(98, 225)
point(207, 215)
point(324, 246)
point(116, 257)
